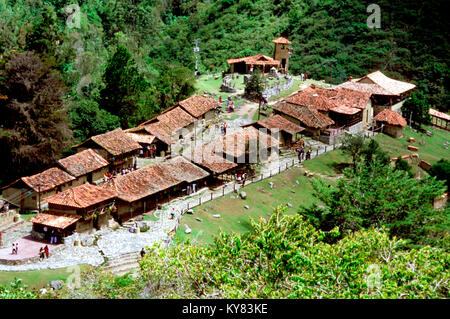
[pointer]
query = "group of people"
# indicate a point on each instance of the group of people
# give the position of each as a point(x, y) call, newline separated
point(302, 155)
point(303, 76)
point(125, 170)
point(150, 151)
point(43, 253)
point(15, 248)
point(240, 177)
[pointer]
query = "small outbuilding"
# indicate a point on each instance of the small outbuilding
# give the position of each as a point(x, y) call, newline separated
point(391, 121)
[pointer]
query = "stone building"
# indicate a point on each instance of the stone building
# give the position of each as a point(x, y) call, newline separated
point(86, 166)
point(28, 192)
point(249, 64)
point(142, 190)
point(386, 93)
point(82, 209)
point(279, 127)
point(392, 122)
point(116, 147)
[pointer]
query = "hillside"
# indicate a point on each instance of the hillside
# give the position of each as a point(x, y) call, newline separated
point(117, 63)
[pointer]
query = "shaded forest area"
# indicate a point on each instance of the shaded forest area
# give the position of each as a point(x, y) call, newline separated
point(71, 71)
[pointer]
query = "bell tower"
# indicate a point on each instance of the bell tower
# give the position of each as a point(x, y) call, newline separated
point(282, 52)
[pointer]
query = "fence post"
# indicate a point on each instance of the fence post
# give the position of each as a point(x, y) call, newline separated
point(223, 191)
point(211, 196)
point(317, 152)
point(279, 169)
point(188, 206)
point(200, 200)
point(325, 148)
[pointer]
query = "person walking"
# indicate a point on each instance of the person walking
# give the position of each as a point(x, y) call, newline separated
point(47, 253)
point(172, 213)
point(41, 254)
point(17, 248)
point(308, 154)
point(13, 249)
point(142, 253)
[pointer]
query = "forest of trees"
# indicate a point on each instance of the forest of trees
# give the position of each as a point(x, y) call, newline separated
point(74, 68)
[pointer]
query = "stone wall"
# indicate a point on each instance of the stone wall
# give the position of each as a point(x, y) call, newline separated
point(7, 218)
point(275, 90)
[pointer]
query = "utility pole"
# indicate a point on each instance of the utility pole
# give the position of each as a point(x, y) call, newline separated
point(39, 197)
point(196, 50)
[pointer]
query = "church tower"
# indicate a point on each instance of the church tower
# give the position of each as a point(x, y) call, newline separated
point(282, 52)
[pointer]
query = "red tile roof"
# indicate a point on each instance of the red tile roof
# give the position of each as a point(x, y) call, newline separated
point(345, 110)
point(114, 142)
point(281, 40)
point(81, 196)
point(198, 105)
point(142, 138)
point(205, 157)
point(258, 59)
point(237, 143)
point(306, 115)
point(176, 119)
point(390, 117)
point(161, 131)
point(153, 178)
point(279, 122)
point(312, 97)
point(54, 220)
point(440, 115)
point(83, 162)
point(47, 179)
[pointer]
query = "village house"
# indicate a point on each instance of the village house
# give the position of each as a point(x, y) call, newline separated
point(286, 130)
point(392, 122)
point(386, 93)
point(200, 107)
point(217, 166)
point(142, 190)
point(116, 147)
point(247, 146)
point(325, 113)
point(28, 192)
point(82, 208)
point(86, 166)
point(280, 60)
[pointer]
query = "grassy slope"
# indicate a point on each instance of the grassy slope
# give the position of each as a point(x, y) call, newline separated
point(36, 278)
point(431, 151)
point(261, 200)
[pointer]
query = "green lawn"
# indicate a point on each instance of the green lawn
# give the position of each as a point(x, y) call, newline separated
point(27, 217)
point(212, 85)
point(431, 148)
point(330, 163)
point(37, 278)
point(260, 199)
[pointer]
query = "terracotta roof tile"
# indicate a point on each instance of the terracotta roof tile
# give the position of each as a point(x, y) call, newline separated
point(153, 178)
point(48, 179)
point(83, 162)
point(390, 117)
point(56, 221)
point(176, 119)
point(198, 105)
point(142, 138)
point(306, 115)
point(440, 115)
point(236, 144)
point(281, 40)
point(81, 196)
point(313, 98)
point(258, 59)
point(279, 122)
point(161, 131)
point(116, 142)
point(205, 157)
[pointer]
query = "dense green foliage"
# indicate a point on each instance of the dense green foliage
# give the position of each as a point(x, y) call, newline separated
point(416, 109)
point(282, 257)
point(376, 194)
point(441, 170)
point(135, 58)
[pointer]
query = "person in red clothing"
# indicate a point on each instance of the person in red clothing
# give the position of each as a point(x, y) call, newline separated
point(47, 253)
